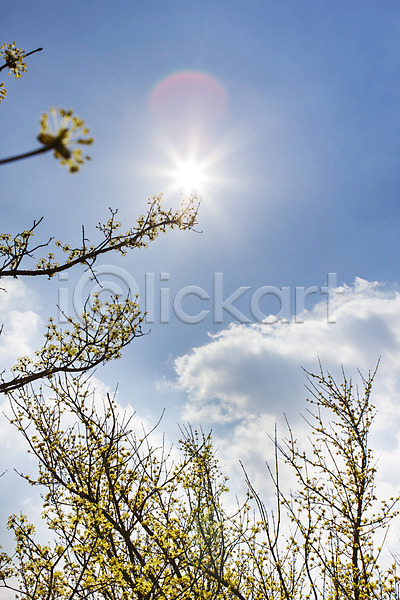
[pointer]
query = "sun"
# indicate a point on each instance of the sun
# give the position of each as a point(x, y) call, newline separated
point(189, 176)
point(191, 165)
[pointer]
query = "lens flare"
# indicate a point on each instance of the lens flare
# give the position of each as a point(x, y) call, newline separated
point(187, 96)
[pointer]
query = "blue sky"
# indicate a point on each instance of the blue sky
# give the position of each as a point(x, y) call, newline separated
point(300, 179)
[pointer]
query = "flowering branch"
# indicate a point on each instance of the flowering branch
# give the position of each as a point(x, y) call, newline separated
point(15, 250)
point(66, 133)
point(11, 60)
point(13, 57)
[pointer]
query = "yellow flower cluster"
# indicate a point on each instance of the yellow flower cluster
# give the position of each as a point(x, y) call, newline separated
point(62, 131)
point(13, 62)
point(13, 59)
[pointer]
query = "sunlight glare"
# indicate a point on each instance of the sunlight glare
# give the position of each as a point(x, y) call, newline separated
point(189, 176)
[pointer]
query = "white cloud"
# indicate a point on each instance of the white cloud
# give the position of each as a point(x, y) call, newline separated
point(247, 376)
point(20, 335)
point(20, 323)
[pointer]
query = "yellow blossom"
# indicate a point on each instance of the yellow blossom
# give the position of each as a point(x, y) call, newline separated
point(65, 132)
point(13, 59)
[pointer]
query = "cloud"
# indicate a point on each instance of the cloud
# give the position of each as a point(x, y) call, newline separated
point(247, 377)
point(20, 323)
point(19, 337)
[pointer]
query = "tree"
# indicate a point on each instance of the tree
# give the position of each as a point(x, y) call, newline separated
point(128, 522)
point(334, 512)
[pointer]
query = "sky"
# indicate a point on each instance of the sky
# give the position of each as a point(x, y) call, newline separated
point(284, 117)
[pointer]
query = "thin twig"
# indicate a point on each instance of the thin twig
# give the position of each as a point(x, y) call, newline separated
point(3, 161)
